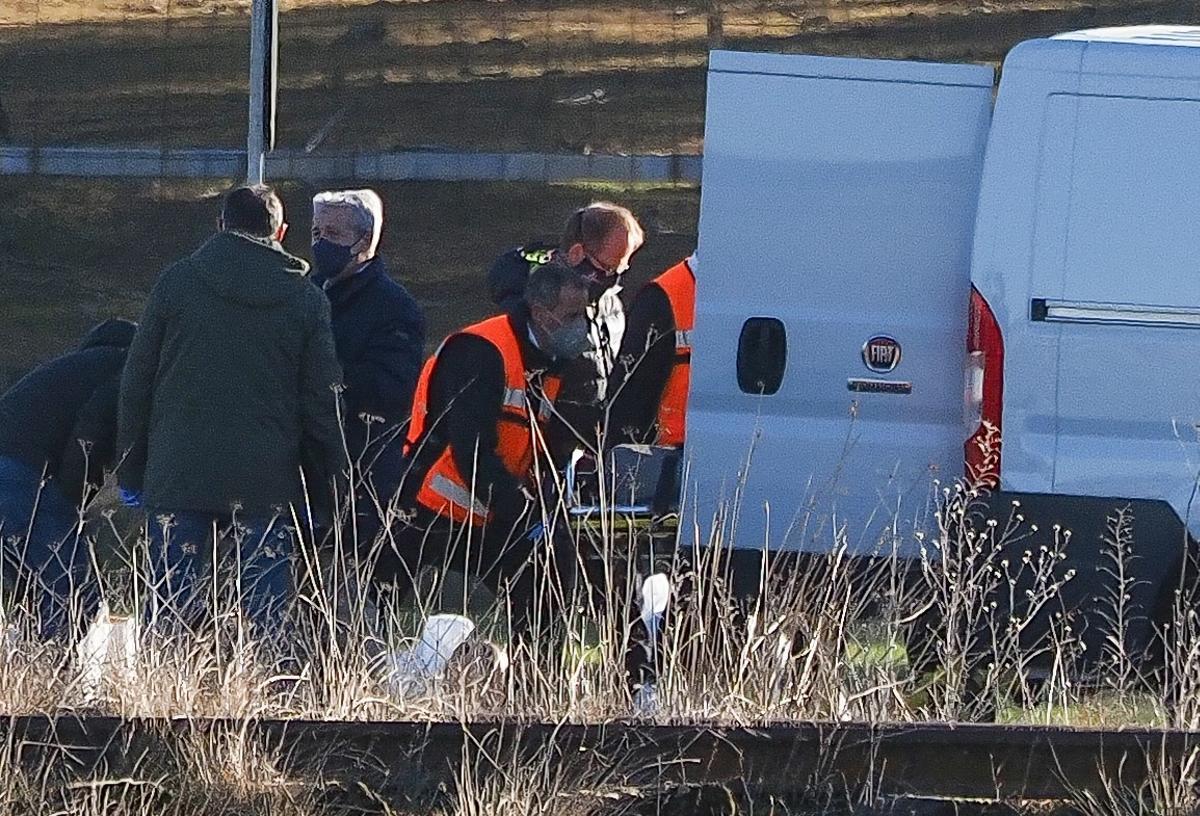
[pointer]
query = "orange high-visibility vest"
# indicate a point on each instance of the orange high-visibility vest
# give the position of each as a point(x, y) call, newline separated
point(445, 490)
point(679, 284)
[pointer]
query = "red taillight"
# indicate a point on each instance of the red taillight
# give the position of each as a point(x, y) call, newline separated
point(984, 394)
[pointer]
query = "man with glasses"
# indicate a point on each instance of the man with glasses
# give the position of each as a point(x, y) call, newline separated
point(598, 242)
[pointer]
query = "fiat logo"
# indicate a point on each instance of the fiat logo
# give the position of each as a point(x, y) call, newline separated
point(881, 354)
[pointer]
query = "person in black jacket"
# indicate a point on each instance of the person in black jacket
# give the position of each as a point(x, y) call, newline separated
point(378, 327)
point(379, 331)
point(598, 241)
point(58, 428)
point(645, 363)
point(644, 366)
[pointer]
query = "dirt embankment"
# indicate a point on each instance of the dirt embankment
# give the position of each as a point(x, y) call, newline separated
point(76, 251)
point(509, 75)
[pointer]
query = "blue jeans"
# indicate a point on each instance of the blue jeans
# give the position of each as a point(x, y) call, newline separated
point(184, 550)
point(44, 552)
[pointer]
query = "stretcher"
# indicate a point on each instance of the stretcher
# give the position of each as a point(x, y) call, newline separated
point(635, 484)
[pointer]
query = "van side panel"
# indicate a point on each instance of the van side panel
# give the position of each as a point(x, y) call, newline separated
point(838, 201)
point(1100, 313)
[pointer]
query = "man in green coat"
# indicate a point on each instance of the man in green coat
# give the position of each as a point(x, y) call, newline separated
point(229, 410)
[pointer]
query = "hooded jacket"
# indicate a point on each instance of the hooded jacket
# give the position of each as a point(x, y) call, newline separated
point(61, 418)
point(231, 384)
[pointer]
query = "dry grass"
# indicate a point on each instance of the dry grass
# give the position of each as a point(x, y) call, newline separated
point(228, 772)
point(604, 21)
point(971, 628)
point(947, 640)
point(610, 18)
point(463, 74)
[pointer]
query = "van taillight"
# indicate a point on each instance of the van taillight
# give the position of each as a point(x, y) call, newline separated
point(983, 399)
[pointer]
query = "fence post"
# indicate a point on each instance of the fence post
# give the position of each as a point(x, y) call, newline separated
point(264, 50)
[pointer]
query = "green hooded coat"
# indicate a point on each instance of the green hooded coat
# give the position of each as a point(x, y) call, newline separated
point(231, 384)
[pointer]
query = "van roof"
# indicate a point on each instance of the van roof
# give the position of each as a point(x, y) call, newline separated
point(806, 65)
point(1138, 35)
point(1133, 51)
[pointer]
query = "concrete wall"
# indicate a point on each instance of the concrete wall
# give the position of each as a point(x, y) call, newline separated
point(412, 165)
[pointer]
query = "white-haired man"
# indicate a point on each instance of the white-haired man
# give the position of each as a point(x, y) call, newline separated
point(377, 325)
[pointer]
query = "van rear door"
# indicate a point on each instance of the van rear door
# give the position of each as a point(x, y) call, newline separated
point(836, 224)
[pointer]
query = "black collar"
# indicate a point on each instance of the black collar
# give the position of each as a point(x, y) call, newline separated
point(344, 290)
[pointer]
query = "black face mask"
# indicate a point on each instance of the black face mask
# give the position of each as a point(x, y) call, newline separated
point(598, 280)
point(330, 258)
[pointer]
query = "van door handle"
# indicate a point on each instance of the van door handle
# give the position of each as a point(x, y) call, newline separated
point(1042, 310)
point(762, 356)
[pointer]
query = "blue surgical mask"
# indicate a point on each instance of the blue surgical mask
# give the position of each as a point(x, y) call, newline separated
point(570, 340)
point(330, 258)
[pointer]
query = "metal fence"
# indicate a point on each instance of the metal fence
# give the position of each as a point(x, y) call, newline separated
point(469, 75)
point(543, 76)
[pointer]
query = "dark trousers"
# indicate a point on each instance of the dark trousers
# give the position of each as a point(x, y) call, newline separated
point(254, 556)
point(518, 567)
point(45, 554)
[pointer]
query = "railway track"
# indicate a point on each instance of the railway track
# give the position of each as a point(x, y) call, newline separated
point(419, 759)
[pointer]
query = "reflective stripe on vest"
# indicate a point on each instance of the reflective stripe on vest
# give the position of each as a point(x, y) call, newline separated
point(515, 398)
point(457, 495)
point(679, 285)
point(443, 489)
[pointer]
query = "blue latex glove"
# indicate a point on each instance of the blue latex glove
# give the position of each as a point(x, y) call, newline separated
point(130, 498)
point(537, 532)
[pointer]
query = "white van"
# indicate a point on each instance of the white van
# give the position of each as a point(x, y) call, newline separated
point(875, 234)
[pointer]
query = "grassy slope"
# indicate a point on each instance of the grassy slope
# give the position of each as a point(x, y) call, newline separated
point(75, 251)
point(454, 72)
point(464, 73)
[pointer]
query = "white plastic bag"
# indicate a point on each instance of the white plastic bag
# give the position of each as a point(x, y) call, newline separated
point(412, 671)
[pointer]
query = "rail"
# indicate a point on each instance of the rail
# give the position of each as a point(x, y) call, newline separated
point(409, 165)
point(924, 760)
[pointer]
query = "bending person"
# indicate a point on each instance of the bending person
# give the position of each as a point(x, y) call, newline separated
point(476, 443)
point(58, 428)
